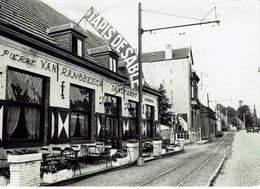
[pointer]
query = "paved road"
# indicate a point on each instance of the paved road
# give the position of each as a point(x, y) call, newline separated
point(243, 167)
point(136, 175)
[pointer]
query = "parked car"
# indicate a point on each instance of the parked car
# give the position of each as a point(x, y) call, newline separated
point(249, 130)
point(256, 129)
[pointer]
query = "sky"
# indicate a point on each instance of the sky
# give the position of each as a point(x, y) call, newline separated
point(226, 56)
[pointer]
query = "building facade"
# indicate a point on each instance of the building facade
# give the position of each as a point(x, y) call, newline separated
point(61, 85)
point(173, 69)
point(208, 121)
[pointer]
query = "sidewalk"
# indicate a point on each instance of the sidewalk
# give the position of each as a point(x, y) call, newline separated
point(92, 170)
point(243, 166)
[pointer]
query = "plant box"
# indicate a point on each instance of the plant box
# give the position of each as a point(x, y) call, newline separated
point(163, 151)
point(24, 158)
point(23, 165)
point(2, 181)
point(58, 176)
point(132, 145)
point(121, 161)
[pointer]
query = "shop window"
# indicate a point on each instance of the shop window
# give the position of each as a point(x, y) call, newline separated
point(77, 46)
point(25, 106)
point(132, 109)
point(149, 119)
point(112, 64)
point(80, 106)
point(111, 106)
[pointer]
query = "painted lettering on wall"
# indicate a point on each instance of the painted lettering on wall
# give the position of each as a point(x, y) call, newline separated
point(49, 66)
point(81, 77)
point(19, 58)
point(123, 91)
point(118, 42)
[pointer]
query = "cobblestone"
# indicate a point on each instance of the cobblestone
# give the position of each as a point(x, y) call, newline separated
point(243, 166)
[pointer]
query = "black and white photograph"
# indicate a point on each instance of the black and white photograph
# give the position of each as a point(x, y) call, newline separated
point(129, 93)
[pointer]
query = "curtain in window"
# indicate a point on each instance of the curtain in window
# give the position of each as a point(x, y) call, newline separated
point(82, 122)
point(73, 121)
point(13, 115)
point(32, 119)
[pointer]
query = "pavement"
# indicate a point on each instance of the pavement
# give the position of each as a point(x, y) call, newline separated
point(242, 168)
point(101, 168)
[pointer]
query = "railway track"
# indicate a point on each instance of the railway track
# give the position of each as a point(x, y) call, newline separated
point(203, 158)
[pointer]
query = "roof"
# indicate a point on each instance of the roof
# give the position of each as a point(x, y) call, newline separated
point(100, 49)
point(35, 17)
point(206, 110)
point(160, 55)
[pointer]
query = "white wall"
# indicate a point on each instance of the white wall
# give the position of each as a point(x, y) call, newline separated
point(58, 71)
point(175, 75)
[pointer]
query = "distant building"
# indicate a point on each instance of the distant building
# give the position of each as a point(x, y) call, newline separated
point(173, 69)
point(208, 122)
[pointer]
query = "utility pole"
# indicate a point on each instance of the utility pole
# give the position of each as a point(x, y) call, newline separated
point(208, 115)
point(244, 119)
point(140, 160)
point(226, 118)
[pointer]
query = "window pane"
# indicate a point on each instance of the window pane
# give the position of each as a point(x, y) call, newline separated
point(24, 88)
point(114, 65)
point(79, 125)
point(79, 48)
point(79, 99)
point(23, 123)
point(110, 63)
point(110, 105)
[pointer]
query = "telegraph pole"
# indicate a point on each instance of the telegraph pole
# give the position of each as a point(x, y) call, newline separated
point(208, 114)
point(140, 160)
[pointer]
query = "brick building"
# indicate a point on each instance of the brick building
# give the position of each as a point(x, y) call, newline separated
point(208, 123)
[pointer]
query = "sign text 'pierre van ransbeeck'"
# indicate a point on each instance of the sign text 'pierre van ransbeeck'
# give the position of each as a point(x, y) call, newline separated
point(118, 42)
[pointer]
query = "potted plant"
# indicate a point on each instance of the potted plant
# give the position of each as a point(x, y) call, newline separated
point(56, 170)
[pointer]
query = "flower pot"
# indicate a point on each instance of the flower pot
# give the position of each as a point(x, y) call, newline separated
point(58, 176)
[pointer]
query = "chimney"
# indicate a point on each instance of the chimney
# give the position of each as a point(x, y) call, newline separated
point(168, 52)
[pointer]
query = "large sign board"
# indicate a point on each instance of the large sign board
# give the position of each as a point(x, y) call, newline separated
point(117, 42)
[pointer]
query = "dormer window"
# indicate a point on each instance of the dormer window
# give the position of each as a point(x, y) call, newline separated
point(69, 37)
point(77, 46)
point(112, 64)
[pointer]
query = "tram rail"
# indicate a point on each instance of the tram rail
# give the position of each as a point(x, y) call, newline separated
point(212, 148)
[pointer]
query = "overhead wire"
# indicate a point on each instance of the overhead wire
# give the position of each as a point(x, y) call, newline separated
point(168, 14)
point(208, 14)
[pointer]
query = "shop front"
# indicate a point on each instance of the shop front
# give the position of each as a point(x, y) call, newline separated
point(50, 101)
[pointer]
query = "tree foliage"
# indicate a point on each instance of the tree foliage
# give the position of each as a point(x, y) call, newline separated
point(231, 112)
point(244, 112)
point(164, 105)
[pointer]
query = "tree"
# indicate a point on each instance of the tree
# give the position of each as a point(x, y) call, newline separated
point(244, 112)
point(232, 116)
point(231, 112)
point(165, 115)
